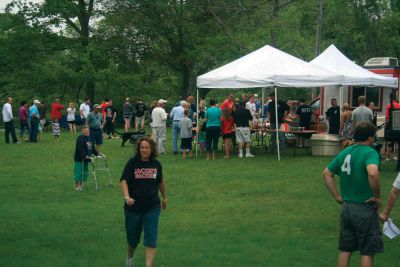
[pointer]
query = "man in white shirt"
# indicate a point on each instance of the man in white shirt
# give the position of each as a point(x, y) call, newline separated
point(394, 193)
point(251, 106)
point(8, 121)
point(159, 118)
point(176, 116)
point(84, 110)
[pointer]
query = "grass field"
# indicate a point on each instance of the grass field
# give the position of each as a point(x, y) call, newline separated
point(248, 212)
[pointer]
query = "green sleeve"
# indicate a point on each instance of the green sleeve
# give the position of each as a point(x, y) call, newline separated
point(372, 158)
point(334, 166)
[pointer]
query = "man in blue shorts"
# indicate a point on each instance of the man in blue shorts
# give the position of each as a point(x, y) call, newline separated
point(95, 122)
point(357, 167)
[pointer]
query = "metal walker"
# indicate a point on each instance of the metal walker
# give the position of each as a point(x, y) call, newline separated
point(98, 163)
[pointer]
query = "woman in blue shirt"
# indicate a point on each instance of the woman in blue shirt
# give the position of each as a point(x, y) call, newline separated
point(213, 128)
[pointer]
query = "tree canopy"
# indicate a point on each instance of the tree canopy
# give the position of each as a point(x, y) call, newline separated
point(152, 49)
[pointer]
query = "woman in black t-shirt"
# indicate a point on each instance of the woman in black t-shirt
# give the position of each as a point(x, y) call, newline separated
point(141, 180)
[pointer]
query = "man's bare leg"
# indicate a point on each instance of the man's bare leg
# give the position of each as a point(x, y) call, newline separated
point(344, 259)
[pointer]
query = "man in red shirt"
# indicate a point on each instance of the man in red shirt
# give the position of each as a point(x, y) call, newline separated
point(56, 108)
point(228, 103)
point(391, 145)
point(104, 106)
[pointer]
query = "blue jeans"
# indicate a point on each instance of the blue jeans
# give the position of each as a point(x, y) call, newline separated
point(24, 126)
point(136, 221)
point(176, 130)
point(273, 138)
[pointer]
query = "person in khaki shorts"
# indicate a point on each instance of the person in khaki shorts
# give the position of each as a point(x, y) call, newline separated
point(242, 118)
point(357, 167)
point(139, 115)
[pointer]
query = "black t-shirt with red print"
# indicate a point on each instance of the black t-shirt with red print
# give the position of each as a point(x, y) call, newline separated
point(143, 179)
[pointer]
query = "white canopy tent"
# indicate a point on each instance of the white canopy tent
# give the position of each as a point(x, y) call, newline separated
point(350, 73)
point(267, 67)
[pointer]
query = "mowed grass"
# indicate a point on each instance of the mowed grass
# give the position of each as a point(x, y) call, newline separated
point(247, 212)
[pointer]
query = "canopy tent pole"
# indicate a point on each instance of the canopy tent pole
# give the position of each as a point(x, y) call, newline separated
point(277, 124)
point(197, 121)
point(341, 96)
point(262, 105)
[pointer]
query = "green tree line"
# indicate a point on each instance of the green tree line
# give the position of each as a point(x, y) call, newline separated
point(156, 48)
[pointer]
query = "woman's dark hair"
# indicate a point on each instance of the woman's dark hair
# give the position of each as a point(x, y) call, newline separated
point(363, 131)
point(23, 103)
point(153, 148)
point(212, 102)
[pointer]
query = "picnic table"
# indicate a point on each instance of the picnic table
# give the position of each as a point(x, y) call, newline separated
point(261, 133)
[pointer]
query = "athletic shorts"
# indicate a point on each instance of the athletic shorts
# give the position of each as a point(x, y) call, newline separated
point(360, 229)
point(139, 120)
point(227, 136)
point(96, 136)
point(243, 135)
point(186, 143)
point(72, 122)
point(136, 221)
point(127, 116)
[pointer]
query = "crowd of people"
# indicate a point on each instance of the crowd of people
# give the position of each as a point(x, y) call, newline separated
point(233, 120)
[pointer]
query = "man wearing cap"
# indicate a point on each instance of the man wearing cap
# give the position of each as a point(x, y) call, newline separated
point(8, 121)
point(95, 122)
point(159, 117)
point(176, 116)
point(34, 121)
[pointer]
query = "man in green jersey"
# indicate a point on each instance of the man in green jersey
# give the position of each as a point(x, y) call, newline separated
point(357, 167)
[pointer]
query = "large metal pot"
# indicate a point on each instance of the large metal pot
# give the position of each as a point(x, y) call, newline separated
point(325, 144)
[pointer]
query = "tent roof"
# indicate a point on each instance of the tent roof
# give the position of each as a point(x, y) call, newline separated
point(351, 74)
point(267, 67)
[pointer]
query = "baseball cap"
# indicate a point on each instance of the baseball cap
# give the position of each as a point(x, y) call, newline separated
point(161, 101)
point(36, 101)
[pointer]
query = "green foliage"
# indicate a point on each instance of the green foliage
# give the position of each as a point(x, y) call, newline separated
point(155, 48)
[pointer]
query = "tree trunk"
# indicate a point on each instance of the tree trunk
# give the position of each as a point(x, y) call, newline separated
point(90, 89)
point(274, 16)
point(187, 81)
point(319, 28)
point(315, 91)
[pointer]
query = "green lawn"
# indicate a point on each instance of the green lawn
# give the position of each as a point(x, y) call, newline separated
point(248, 212)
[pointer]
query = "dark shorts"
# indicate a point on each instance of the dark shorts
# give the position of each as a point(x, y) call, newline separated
point(186, 143)
point(360, 229)
point(227, 136)
point(96, 136)
point(136, 221)
point(72, 122)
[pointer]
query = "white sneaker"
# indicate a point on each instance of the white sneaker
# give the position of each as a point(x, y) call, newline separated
point(249, 156)
point(387, 160)
point(240, 155)
point(129, 262)
point(395, 158)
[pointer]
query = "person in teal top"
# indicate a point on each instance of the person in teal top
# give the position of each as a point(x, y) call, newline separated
point(357, 167)
point(213, 115)
point(213, 128)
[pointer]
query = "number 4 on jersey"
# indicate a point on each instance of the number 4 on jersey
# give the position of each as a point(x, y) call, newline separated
point(346, 165)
